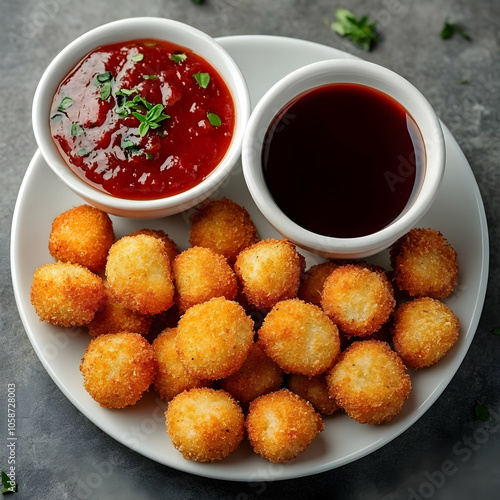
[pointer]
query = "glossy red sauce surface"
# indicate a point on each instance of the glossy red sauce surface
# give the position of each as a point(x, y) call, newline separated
point(341, 159)
point(99, 137)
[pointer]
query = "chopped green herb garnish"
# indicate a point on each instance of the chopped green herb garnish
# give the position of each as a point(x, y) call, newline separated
point(137, 57)
point(56, 118)
point(130, 147)
point(82, 152)
point(126, 92)
point(198, 2)
point(359, 31)
point(151, 119)
point(102, 78)
point(150, 77)
point(8, 486)
point(105, 80)
point(450, 29)
point(178, 58)
point(482, 412)
point(496, 330)
point(464, 81)
point(76, 130)
point(203, 79)
point(66, 103)
point(214, 119)
point(106, 90)
point(149, 156)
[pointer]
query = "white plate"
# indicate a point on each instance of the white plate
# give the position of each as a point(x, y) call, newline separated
point(458, 213)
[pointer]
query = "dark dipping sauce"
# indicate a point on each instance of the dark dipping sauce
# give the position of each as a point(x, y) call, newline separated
point(341, 160)
point(94, 128)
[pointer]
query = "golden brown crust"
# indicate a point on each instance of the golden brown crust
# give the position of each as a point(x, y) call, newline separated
point(313, 280)
point(269, 271)
point(201, 274)
point(171, 377)
point(281, 425)
point(118, 368)
point(65, 294)
point(424, 264)
point(170, 244)
point(299, 337)
point(424, 331)
point(205, 425)
point(313, 389)
point(370, 382)
point(357, 299)
point(214, 338)
point(82, 235)
point(223, 226)
point(139, 274)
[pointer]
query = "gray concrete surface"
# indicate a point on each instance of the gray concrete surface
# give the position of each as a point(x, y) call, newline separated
point(60, 453)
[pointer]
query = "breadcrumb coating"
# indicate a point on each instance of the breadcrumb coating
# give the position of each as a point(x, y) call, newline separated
point(313, 389)
point(205, 425)
point(118, 368)
point(425, 264)
point(313, 280)
point(65, 294)
point(281, 425)
point(369, 382)
point(170, 244)
point(424, 331)
point(82, 235)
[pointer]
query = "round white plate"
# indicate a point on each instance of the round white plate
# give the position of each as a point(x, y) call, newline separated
point(458, 213)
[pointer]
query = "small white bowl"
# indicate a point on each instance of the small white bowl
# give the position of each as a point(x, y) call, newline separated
point(124, 30)
point(356, 72)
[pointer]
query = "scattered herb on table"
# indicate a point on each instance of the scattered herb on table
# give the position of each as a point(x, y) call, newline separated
point(481, 411)
point(450, 29)
point(8, 486)
point(496, 330)
point(359, 31)
point(197, 2)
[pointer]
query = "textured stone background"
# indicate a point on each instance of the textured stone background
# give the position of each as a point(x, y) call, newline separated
point(60, 453)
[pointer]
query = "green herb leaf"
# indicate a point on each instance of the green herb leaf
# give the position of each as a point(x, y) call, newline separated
point(150, 77)
point(482, 412)
point(151, 119)
point(106, 90)
point(8, 486)
point(76, 130)
point(464, 81)
point(203, 79)
point(214, 119)
point(178, 58)
point(56, 118)
point(83, 152)
point(149, 156)
point(359, 31)
point(66, 103)
point(450, 29)
point(496, 330)
point(198, 2)
point(102, 78)
point(126, 92)
point(130, 147)
point(143, 128)
point(137, 57)
point(140, 117)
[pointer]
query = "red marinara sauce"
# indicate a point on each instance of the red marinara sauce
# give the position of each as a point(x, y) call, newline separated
point(95, 127)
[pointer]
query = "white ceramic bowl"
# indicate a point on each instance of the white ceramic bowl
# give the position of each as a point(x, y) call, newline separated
point(357, 72)
point(130, 29)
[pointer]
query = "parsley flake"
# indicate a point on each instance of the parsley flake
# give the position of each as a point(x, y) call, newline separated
point(178, 58)
point(76, 130)
point(137, 57)
point(203, 79)
point(66, 103)
point(496, 330)
point(214, 119)
point(8, 486)
point(150, 77)
point(450, 29)
point(83, 152)
point(359, 31)
point(151, 119)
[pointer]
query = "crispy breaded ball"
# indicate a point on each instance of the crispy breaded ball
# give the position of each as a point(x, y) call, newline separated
point(201, 274)
point(66, 294)
point(424, 330)
point(118, 368)
point(258, 375)
point(313, 389)
point(139, 274)
point(424, 264)
point(170, 244)
point(280, 425)
point(313, 280)
point(113, 317)
point(171, 377)
point(223, 226)
point(269, 271)
point(82, 235)
point(369, 382)
point(357, 299)
point(299, 337)
point(214, 338)
point(205, 425)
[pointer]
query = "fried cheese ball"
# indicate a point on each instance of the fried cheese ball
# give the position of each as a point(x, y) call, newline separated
point(82, 235)
point(269, 271)
point(313, 389)
point(258, 375)
point(118, 368)
point(65, 294)
point(201, 274)
point(281, 425)
point(205, 425)
point(424, 331)
point(313, 280)
point(214, 338)
point(170, 244)
point(369, 382)
point(357, 299)
point(223, 226)
point(171, 377)
point(139, 274)
point(299, 337)
point(424, 264)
